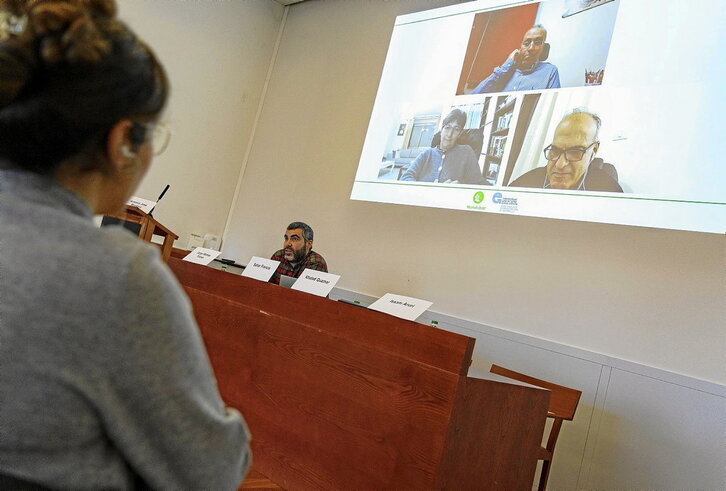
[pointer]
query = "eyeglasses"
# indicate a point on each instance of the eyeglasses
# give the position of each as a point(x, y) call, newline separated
point(158, 134)
point(455, 129)
point(536, 42)
point(160, 137)
point(572, 154)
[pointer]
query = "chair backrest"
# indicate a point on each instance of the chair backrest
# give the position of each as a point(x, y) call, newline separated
point(563, 404)
point(563, 400)
point(474, 137)
point(609, 169)
point(545, 53)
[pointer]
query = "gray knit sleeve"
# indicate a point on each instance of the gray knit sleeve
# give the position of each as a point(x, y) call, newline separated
point(161, 406)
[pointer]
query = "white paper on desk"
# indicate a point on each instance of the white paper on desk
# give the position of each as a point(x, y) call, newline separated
point(260, 268)
point(200, 255)
point(400, 306)
point(316, 282)
point(142, 204)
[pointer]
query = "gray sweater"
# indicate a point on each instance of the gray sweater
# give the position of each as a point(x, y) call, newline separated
point(104, 380)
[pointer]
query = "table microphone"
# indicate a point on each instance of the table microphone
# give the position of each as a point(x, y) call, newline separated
point(159, 198)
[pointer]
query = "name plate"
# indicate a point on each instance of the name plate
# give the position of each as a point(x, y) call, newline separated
point(142, 204)
point(203, 256)
point(315, 282)
point(400, 306)
point(260, 268)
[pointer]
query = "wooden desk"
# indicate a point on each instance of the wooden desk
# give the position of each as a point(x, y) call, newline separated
point(256, 480)
point(340, 397)
point(148, 227)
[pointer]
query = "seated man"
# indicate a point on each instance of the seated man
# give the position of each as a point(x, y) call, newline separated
point(449, 162)
point(573, 149)
point(297, 253)
point(523, 70)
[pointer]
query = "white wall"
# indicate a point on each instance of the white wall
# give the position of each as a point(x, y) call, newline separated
point(651, 296)
point(635, 427)
point(580, 41)
point(655, 297)
point(217, 55)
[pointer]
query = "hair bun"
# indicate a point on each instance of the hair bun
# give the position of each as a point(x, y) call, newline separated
point(69, 30)
point(16, 68)
point(17, 59)
point(105, 8)
point(49, 32)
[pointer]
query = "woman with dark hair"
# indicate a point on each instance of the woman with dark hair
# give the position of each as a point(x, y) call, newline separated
point(104, 381)
point(448, 162)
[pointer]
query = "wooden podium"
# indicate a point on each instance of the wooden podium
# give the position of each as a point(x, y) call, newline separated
point(341, 397)
point(148, 226)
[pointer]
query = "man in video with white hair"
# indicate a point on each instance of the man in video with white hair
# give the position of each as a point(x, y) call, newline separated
point(571, 161)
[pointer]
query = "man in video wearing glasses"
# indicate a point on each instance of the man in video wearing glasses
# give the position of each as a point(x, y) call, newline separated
point(524, 69)
point(448, 162)
point(571, 161)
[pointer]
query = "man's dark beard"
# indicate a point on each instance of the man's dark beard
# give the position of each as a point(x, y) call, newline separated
point(298, 255)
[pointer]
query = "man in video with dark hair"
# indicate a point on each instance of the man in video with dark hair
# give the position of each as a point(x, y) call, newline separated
point(571, 161)
point(523, 69)
point(297, 253)
point(448, 162)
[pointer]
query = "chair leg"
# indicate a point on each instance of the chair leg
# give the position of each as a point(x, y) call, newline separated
point(544, 475)
point(547, 464)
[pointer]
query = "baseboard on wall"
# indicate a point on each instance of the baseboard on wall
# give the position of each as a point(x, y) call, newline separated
point(440, 321)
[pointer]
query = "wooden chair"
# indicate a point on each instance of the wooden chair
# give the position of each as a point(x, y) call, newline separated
point(563, 403)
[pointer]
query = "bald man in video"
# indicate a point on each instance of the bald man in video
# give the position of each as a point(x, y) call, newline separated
point(569, 158)
point(523, 69)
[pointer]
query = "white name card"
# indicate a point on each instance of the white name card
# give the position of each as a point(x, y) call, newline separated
point(400, 306)
point(203, 256)
point(260, 268)
point(142, 204)
point(316, 282)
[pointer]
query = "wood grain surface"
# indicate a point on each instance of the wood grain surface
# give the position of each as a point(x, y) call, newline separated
point(339, 397)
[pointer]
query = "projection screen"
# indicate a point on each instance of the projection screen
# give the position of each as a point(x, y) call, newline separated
point(606, 111)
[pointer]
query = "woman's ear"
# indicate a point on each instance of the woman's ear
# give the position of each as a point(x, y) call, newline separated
point(118, 145)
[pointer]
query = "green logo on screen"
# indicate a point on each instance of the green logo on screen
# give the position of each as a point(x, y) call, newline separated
point(478, 197)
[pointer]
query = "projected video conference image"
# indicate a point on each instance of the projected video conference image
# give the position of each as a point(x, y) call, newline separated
point(568, 109)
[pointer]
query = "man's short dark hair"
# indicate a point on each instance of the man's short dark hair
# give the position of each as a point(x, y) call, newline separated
point(307, 230)
point(456, 115)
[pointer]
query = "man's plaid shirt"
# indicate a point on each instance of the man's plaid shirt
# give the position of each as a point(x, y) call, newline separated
point(312, 261)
